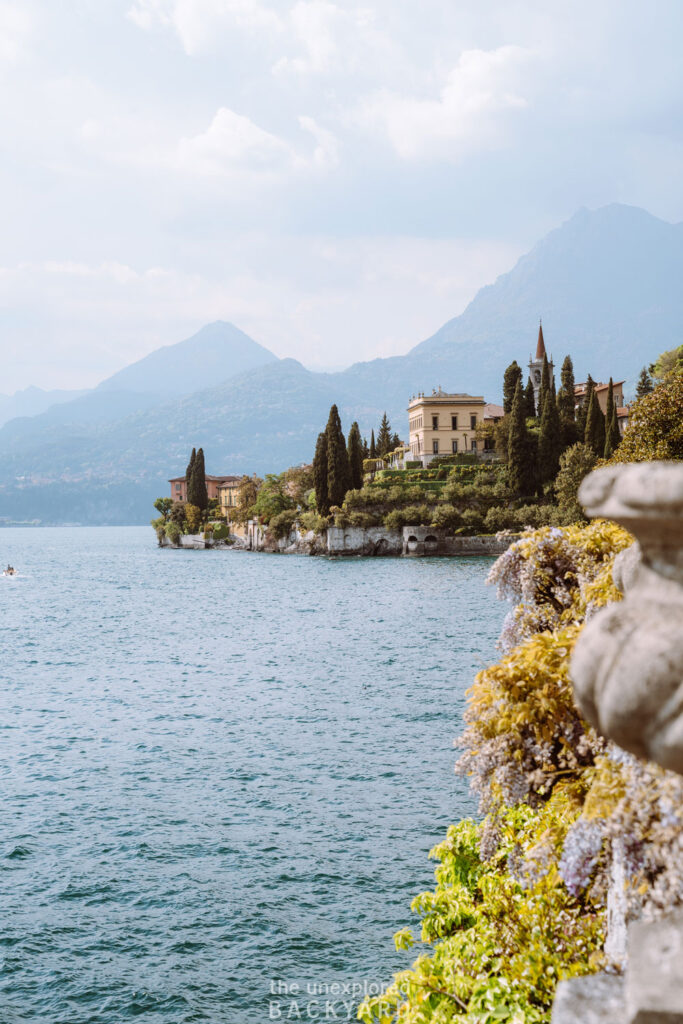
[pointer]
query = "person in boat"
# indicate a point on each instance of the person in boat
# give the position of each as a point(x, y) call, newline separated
point(9, 570)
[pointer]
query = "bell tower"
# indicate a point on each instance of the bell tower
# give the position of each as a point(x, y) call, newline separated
point(536, 365)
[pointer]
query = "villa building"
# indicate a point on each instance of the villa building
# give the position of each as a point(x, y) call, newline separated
point(601, 395)
point(222, 488)
point(444, 424)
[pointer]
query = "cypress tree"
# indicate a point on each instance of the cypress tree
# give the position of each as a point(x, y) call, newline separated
point(594, 436)
point(609, 408)
point(582, 412)
point(644, 385)
point(395, 442)
point(519, 465)
point(612, 434)
point(338, 476)
point(544, 388)
point(384, 436)
point(188, 473)
point(529, 400)
point(549, 440)
point(511, 377)
point(373, 446)
point(566, 404)
point(320, 475)
point(200, 497)
point(355, 453)
point(366, 448)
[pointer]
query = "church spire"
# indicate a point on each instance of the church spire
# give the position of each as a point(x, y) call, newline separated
point(540, 347)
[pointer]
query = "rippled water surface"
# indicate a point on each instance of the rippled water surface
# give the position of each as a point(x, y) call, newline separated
point(221, 772)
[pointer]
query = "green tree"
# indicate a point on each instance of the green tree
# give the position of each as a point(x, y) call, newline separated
point(246, 497)
point(566, 404)
point(164, 506)
point(193, 518)
point(612, 434)
point(355, 453)
point(644, 385)
point(668, 364)
point(575, 464)
point(520, 466)
point(529, 400)
point(395, 442)
point(594, 435)
point(189, 471)
point(366, 449)
point(322, 500)
point(384, 436)
point(338, 475)
point(549, 441)
point(196, 484)
point(373, 446)
point(272, 497)
point(544, 388)
point(582, 411)
point(655, 428)
point(511, 378)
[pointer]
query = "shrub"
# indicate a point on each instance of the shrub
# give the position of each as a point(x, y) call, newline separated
point(472, 522)
point(221, 531)
point(313, 521)
point(445, 517)
point(281, 525)
point(655, 429)
point(193, 518)
point(159, 527)
point(174, 533)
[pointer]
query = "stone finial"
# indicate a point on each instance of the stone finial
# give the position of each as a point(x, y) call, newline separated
point(627, 666)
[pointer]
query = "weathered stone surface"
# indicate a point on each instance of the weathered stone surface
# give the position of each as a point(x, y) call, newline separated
point(627, 666)
point(596, 999)
point(654, 982)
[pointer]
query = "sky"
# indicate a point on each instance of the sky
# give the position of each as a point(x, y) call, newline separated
point(337, 179)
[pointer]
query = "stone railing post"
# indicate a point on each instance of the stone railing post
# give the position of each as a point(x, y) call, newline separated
point(627, 672)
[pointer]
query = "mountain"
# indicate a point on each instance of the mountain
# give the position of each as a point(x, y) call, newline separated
point(605, 283)
point(31, 401)
point(216, 352)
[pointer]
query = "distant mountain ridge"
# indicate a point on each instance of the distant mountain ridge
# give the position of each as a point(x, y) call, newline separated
point(606, 284)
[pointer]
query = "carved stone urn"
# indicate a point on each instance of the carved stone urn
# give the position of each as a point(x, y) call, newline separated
point(627, 666)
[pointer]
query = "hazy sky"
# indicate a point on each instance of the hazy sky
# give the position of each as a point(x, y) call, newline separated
point(337, 179)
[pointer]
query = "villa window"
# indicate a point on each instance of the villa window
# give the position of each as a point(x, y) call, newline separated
point(178, 487)
point(435, 422)
point(473, 422)
point(455, 446)
point(474, 446)
point(435, 447)
point(454, 422)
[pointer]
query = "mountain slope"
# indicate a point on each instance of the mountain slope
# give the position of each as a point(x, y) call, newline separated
point(32, 401)
point(216, 353)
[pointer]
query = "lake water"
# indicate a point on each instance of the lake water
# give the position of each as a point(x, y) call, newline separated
point(221, 772)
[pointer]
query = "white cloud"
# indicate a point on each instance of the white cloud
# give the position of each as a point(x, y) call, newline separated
point(466, 115)
point(233, 142)
point(198, 23)
point(234, 145)
point(16, 25)
point(333, 39)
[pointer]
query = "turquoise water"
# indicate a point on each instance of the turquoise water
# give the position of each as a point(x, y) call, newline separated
point(221, 772)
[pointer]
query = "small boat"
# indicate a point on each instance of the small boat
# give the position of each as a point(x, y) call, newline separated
point(10, 571)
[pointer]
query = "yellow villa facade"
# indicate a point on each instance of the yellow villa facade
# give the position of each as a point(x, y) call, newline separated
point(444, 424)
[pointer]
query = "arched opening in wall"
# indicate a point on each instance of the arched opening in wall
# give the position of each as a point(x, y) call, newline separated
point(412, 543)
point(431, 544)
point(381, 547)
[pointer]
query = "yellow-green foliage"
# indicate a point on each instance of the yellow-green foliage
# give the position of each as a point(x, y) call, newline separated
point(519, 901)
point(655, 429)
point(495, 944)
